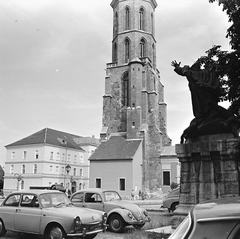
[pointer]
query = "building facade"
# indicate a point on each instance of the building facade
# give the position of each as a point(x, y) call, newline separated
point(133, 104)
point(41, 159)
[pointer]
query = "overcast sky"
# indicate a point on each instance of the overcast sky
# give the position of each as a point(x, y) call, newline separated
point(53, 55)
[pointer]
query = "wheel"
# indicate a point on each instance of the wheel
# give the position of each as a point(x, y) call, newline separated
point(55, 232)
point(139, 226)
point(173, 206)
point(116, 223)
point(2, 229)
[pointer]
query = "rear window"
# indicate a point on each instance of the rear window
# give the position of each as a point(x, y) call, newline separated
point(213, 229)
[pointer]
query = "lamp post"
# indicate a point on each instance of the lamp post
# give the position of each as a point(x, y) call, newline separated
point(68, 168)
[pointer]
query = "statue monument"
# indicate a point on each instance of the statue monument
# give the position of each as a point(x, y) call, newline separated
point(209, 151)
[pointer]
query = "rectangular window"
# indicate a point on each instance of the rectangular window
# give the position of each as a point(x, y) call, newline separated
point(75, 158)
point(12, 155)
point(12, 169)
point(74, 172)
point(23, 169)
point(57, 156)
point(98, 183)
point(122, 185)
point(36, 154)
point(24, 154)
point(51, 168)
point(35, 168)
point(69, 157)
point(63, 171)
point(51, 155)
point(63, 157)
point(57, 169)
point(81, 159)
point(166, 178)
point(81, 172)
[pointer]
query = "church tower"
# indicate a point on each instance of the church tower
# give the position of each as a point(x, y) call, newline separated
point(133, 104)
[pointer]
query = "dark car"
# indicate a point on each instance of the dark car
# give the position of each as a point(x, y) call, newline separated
point(58, 187)
point(171, 200)
point(218, 219)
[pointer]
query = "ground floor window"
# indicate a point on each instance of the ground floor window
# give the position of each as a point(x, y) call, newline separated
point(166, 178)
point(122, 184)
point(98, 183)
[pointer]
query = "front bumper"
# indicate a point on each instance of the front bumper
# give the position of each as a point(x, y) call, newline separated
point(84, 232)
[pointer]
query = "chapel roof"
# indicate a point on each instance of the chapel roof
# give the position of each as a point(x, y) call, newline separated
point(116, 148)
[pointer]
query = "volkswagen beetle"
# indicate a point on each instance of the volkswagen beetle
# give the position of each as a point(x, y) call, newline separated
point(49, 213)
point(120, 213)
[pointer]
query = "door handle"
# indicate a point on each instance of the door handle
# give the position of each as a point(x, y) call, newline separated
point(18, 210)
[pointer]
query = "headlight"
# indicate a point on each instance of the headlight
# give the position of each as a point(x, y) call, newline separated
point(131, 216)
point(77, 223)
point(145, 213)
point(105, 218)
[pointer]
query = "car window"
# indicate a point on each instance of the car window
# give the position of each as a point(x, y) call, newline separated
point(214, 229)
point(13, 200)
point(93, 197)
point(29, 200)
point(111, 196)
point(77, 197)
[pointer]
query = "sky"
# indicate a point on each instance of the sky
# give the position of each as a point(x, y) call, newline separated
point(53, 56)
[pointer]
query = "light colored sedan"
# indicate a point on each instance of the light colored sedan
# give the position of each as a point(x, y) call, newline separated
point(120, 213)
point(49, 213)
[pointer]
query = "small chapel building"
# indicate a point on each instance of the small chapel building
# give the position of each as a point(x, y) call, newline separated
point(135, 152)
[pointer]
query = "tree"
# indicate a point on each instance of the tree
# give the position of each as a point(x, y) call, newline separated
point(227, 64)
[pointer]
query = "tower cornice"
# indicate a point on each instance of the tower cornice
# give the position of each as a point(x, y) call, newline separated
point(115, 2)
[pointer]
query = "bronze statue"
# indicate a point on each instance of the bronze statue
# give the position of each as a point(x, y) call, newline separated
point(205, 89)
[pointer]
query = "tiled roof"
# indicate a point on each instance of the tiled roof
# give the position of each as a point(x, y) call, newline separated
point(51, 137)
point(116, 148)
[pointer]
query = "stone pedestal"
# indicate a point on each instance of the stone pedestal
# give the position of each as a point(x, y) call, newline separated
point(210, 169)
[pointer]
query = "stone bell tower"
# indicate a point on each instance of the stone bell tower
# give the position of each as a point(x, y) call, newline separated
point(133, 104)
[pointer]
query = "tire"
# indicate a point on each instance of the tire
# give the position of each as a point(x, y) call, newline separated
point(173, 206)
point(116, 223)
point(2, 229)
point(55, 232)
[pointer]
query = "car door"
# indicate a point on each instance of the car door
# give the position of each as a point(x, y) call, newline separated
point(8, 210)
point(28, 214)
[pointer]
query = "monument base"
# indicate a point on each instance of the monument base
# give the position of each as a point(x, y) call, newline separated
point(210, 169)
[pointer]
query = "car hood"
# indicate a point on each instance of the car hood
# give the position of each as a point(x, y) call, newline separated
point(86, 215)
point(134, 208)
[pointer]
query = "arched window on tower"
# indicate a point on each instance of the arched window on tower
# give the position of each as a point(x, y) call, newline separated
point(127, 50)
point(152, 24)
point(142, 48)
point(114, 54)
point(125, 89)
point(127, 18)
point(115, 24)
point(141, 19)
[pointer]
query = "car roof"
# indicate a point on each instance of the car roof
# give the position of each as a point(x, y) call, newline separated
point(98, 190)
point(37, 191)
point(224, 208)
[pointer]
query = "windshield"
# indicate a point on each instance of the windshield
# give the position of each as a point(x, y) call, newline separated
point(111, 196)
point(53, 200)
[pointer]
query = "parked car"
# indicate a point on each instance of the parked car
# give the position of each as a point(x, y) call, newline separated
point(172, 200)
point(58, 187)
point(49, 213)
point(120, 213)
point(218, 218)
